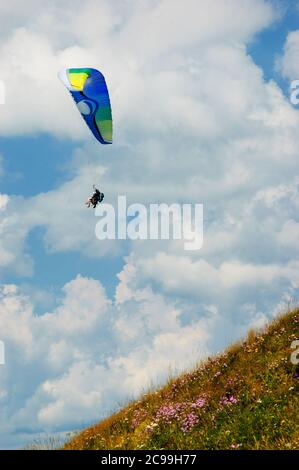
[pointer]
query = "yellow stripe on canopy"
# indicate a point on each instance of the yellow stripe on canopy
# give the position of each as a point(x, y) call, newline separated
point(78, 79)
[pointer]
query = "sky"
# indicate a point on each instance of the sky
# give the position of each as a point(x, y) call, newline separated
point(200, 93)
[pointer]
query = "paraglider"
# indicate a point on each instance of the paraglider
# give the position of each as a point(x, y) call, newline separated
point(89, 90)
point(90, 93)
point(95, 199)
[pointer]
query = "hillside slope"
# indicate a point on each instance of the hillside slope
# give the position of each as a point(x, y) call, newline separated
point(245, 398)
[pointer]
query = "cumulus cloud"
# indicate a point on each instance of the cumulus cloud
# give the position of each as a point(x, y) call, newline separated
point(289, 234)
point(90, 353)
point(206, 89)
point(288, 63)
point(122, 41)
point(194, 121)
point(80, 358)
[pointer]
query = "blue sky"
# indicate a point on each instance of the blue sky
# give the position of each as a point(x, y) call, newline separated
point(201, 114)
point(269, 43)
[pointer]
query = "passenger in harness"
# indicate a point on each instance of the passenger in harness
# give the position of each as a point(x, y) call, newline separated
point(95, 199)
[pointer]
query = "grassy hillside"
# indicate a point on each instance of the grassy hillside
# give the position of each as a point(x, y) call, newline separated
point(245, 398)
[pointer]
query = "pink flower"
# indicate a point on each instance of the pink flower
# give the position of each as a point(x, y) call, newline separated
point(169, 413)
point(189, 422)
point(229, 400)
point(138, 416)
point(200, 402)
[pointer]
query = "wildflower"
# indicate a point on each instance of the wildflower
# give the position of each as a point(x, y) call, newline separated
point(229, 400)
point(200, 402)
point(150, 427)
point(169, 413)
point(138, 416)
point(232, 381)
point(189, 422)
point(296, 375)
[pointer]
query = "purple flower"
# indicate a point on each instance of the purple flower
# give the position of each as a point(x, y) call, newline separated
point(232, 381)
point(189, 422)
point(200, 402)
point(138, 417)
point(229, 400)
point(296, 375)
point(169, 413)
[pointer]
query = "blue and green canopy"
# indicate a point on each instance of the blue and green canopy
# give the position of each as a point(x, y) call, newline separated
point(89, 90)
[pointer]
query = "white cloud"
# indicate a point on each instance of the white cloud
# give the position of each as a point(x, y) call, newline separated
point(77, 356)
point(89, 354)
point(122, 42)
point(194, 121)
point(83, 383)
point(202, 279)
point(289, 234)
point(3, 201)
point(288, 63)
point(205, 87)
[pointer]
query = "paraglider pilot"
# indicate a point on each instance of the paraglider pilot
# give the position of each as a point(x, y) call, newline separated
point(95, 199)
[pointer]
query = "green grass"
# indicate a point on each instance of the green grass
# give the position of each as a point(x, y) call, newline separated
point(245, 398)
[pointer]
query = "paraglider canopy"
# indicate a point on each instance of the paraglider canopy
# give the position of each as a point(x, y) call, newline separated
point(89, 90)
